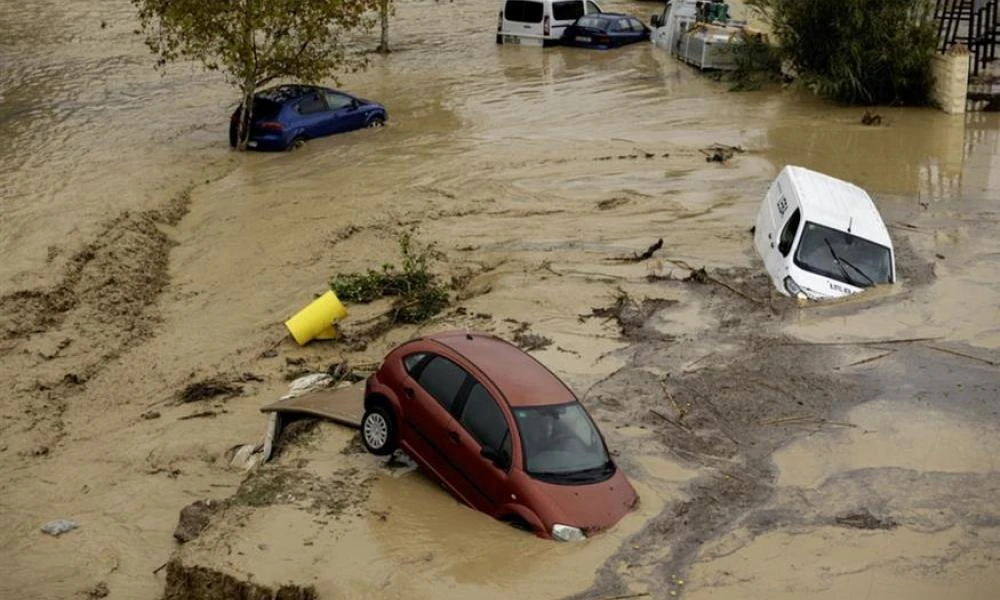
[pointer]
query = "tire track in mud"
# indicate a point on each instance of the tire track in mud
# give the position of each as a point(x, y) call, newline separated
point(726, 418)
point(53, 341)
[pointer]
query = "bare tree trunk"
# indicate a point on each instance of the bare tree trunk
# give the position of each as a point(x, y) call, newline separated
point(246, 115)
point(249, 83)
point(383, 10)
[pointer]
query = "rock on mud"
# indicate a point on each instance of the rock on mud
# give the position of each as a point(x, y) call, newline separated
point(209, 388)
point(186, 582)
point(59, 527)
point(864, 519)
point(194, 518)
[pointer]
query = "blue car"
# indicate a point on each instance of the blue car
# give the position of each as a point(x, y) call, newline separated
point(604, 31)
point(286, 116)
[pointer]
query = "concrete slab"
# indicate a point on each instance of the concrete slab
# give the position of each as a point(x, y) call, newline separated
point(341, 405)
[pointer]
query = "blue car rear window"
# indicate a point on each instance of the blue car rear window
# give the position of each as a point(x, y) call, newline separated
point(592, 23)
point(265, 109)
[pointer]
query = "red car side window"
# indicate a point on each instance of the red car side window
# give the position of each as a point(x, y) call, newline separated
point(411, 362)
point(442, 379)
point(483, 419)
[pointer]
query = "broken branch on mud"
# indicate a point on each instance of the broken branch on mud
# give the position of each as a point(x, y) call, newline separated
point(991, 363)
point(701, 275)
point(676, 424)
point(861, 342)
point(866, 360)
point(641, 257)
point(627, 596)
point(805, 420)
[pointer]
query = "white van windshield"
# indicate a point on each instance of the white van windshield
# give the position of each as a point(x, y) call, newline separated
point(842, 256)
point(523, 11)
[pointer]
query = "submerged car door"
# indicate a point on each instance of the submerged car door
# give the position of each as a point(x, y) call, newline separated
point(344, 113)
point(483, 424)
point(313, 115)
point(440, 382)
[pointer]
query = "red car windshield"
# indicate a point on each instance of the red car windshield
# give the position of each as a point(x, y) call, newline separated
point(562, 445)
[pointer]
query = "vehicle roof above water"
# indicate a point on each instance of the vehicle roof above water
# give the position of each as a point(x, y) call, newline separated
point(523, 380)
point(836, 204)
point(286, 92)
point(605, 15)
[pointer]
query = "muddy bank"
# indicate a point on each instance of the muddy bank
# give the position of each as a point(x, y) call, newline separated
point(185, 582)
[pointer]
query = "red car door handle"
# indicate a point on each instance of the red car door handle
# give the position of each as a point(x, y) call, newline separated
point(454, 436)
point(409, 392)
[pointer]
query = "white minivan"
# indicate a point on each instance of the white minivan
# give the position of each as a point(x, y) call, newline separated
point(539, 22)
point(821, 237)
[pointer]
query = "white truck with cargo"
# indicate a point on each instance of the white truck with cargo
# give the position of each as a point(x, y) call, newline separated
point(821, 237)
point(699, 33)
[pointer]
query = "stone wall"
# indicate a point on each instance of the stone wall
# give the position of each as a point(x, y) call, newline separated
point(951, 80)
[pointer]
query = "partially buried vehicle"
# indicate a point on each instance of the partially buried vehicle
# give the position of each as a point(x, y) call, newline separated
point(605, 31)
point(499, 431)
point(821, 237)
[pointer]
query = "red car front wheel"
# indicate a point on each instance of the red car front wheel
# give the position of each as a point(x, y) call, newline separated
point(378, 431)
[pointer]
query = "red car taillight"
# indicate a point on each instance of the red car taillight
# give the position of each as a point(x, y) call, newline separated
point(546, 26)
point(271, 126)
point(500, 21)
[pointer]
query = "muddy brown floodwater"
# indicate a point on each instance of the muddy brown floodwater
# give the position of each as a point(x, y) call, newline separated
point(780, 451)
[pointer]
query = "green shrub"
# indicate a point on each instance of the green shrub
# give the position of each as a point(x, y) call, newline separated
point(858, 51)
point(418, 293)
point(756, 61)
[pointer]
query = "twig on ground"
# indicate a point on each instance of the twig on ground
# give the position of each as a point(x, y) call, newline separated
point(687, 368)
point(626, 596)
point(862, 342)
point(866, 360)
point(680, 426)
point(677, 407)
point(702, 273)
point(806, 420)
point(992, 363)
point(199, 415)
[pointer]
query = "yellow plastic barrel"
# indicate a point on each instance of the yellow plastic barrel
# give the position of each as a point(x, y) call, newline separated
point(316, 320)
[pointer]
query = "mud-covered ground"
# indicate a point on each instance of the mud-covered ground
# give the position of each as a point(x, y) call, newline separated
point(840, 450)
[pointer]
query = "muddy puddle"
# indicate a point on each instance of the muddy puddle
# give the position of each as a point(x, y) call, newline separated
point(141, 256)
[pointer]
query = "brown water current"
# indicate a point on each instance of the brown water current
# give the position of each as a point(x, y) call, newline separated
point(140, 254)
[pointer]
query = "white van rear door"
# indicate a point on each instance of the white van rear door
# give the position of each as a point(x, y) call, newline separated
point(523, 18)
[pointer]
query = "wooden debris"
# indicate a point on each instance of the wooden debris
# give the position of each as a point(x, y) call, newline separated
point(987, 361)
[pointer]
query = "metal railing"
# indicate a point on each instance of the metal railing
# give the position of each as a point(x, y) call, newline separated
point(974, 23)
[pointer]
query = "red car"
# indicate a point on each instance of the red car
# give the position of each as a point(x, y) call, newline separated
point(499, 431)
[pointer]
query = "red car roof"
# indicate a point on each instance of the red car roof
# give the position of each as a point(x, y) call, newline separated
point(523, 380)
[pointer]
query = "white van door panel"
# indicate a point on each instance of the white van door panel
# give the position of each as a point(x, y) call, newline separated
point(522, 18)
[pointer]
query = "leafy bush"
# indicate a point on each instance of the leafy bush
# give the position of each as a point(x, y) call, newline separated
point(418, 293)
point(858, 51)
point(756, 61)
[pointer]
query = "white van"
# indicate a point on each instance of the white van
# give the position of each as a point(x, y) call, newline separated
point(820, 237)
point(539, 22)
